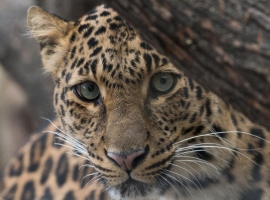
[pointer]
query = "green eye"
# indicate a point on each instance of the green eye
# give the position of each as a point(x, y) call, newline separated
point(162, 82)
point(87, 91)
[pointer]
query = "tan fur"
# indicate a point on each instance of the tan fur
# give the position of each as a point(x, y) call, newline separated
point(47, 28)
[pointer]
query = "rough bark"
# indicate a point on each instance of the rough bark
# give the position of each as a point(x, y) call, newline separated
point(223, 44)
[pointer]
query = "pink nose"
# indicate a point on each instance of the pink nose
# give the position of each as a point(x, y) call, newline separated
point(127, 161)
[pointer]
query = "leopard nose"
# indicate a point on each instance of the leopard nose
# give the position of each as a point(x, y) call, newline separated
point(127, 161)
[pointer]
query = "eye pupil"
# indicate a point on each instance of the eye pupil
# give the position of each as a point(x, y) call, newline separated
point(91, 88)
point(163, 80)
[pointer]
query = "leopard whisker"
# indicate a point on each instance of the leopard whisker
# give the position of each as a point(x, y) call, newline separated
point(95, 178)
point(68, 146)
point(208, 125)
point(226, 148)
point(65, 134)
point(72, 147)
point(159, 180)
point(103, 182)
point(204, 145)
point(74, 144)
point(199, 188)
point(211, 129)
point(94, 173)
point(199, 150)
point(78, 155)
point(207, 152)
point(86, 165)
point(221, 132)
point(197, 161)
point(194, 137)
point(161, 176)
point(175, 179)
point(205, 162)
point(68, 137)
point(200, 165)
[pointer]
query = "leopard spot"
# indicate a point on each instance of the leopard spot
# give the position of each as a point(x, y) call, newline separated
point(62, 170)
point(28, 192)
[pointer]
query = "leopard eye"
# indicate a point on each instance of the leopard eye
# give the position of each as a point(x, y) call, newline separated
point(162, 82)
point(88, 91)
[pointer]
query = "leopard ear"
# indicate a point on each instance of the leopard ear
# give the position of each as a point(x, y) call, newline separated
point(51, 32)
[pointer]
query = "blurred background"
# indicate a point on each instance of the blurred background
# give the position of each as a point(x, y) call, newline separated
point(25, 92)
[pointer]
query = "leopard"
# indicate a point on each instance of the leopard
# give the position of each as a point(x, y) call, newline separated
point(130, 124)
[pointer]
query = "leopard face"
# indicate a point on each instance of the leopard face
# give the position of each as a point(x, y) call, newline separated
point(137, 115)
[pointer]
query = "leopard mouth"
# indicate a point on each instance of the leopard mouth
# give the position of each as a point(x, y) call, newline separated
point(134, 189)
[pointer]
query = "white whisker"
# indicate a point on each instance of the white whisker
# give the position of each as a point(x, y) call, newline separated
point(216, 133)
point(170, 182)
point(197, 160)
point(200, 188)
point(86, 165)
point(95, 178)
point(175, 179)
point(74, 146)
point(94, 173)
point(200, 165)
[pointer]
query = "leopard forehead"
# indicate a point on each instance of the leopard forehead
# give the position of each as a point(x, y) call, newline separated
point(105, 49)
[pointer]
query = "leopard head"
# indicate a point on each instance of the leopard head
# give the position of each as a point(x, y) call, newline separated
point(130, 107)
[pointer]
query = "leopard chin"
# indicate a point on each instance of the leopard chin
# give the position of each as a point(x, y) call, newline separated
point(134, 190)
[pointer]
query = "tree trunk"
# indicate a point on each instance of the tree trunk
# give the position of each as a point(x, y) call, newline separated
point(222, 44)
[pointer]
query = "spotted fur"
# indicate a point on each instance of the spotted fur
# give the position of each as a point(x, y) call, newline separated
point(188, 143)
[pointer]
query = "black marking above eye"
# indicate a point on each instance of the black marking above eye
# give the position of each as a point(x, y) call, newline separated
point(148, 62)
point(96, 51)
point(146, 46)
point(73, 38)
point(162, 82)
point(105, 13)
point(91, 17)
point(88, 32)
point(92, 43)
point(100, 30)
point(83, 27)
